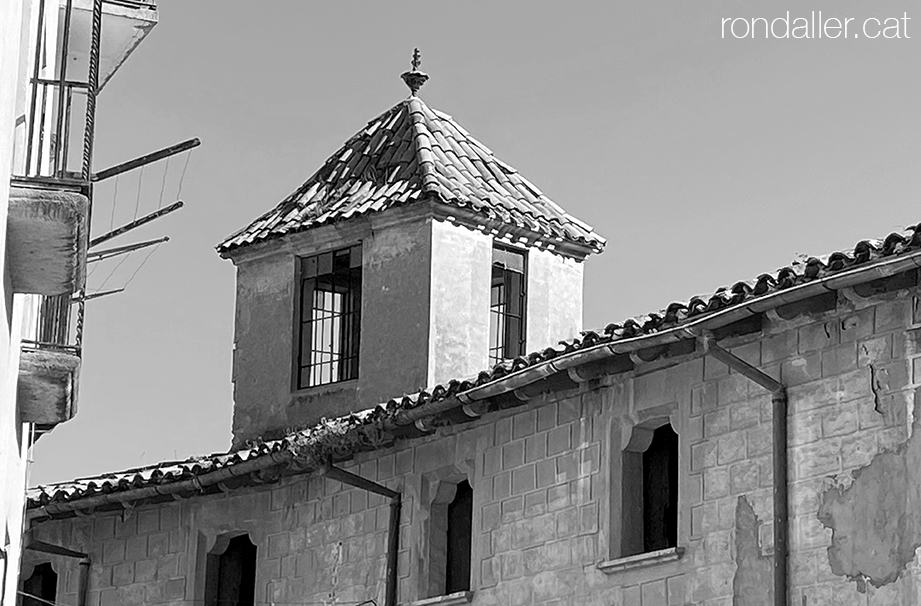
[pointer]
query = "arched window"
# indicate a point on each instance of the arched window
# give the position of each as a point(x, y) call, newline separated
point(42, 584)
point(650, 491)
point(460, 516)
point(660, 490)
point(450, 539)
point(231, 574)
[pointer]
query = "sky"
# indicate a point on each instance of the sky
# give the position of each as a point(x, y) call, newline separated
point(702, 160)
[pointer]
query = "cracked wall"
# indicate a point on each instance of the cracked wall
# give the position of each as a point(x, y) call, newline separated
point(876, 520)
point(753, 583)
point(544, 488)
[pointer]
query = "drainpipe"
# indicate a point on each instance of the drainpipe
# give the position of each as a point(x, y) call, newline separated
point(393, 530)
point(779, 449)
point(84, 581)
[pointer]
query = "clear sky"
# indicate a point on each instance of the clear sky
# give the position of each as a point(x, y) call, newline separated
point(703, 160)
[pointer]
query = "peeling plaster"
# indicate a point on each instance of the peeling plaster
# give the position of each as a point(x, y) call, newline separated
point(876, 520)
point(753, 582)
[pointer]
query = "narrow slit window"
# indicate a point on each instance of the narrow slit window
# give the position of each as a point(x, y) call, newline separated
point(460, 527)
point(329, 317)
point(231, 579)
point(41, 587)
point(649, 491)
point(450, 539)
point(660, 490)
point(507, 304)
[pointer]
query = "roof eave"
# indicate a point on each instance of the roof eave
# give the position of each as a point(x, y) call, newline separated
point(691, 329)
point(447, 211)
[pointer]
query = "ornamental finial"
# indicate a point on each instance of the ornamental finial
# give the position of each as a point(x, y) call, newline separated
point(414, 79)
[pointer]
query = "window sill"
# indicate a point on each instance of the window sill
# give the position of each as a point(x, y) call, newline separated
point(328, 388)
point(452, 599)
point(641, 560)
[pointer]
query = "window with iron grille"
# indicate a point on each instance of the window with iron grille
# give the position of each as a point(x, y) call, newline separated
point(507, 304)
point(329, 317)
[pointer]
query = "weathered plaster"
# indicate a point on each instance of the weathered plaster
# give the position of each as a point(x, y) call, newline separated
point(393, 356)
point(46, 240)
point(876, 520)
point(13, 448)
point(753, 583)
point(554, 299)
point(547, 488)
point(459, 340)
point(262, 348)
point(47, 389)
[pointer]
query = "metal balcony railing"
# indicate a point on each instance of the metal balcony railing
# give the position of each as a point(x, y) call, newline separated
point(54, 143)
point(59, 326)
point(56, 140)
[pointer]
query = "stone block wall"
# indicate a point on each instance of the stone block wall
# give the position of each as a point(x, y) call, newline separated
point(547, 482)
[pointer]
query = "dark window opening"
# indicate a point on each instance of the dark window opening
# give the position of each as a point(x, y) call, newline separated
point(660, 490)
point(231, 576)
point(507, 304)
point(460, 527)
point(329, 317)
point(42, 585)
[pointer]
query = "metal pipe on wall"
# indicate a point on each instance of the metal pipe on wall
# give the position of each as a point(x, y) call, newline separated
point(84, 580)
point(779, 457)
point(393, 530)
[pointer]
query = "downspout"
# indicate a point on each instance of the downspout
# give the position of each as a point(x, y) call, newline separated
point(779, 450)
point(393, 530)
point(84, 581)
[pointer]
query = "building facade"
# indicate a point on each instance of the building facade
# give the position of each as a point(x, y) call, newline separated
point(752, 447)
point(52, 65)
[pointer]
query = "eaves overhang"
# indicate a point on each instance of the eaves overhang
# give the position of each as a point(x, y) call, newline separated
point(341, 438)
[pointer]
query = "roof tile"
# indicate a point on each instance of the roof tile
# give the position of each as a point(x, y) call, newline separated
point(676, 313)
point(420, 153)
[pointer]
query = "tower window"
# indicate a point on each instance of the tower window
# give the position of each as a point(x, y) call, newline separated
point(40, 588)
point(231, 575)
point(650, 491)
point(507, 304)
point(329, 317)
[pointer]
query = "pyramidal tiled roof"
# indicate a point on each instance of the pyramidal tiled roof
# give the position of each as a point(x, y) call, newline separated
point(409, 153)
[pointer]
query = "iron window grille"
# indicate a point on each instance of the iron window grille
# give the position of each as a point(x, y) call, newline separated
point(329, 317)
point(507, 304)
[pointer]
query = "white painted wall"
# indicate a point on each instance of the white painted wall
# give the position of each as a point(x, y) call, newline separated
point(554, 299)
point(13, 448)
point(458, 345)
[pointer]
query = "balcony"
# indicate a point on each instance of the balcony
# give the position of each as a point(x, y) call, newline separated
point(49, 366)
point(46, 240)
point(75, 46)
point(125, 23)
